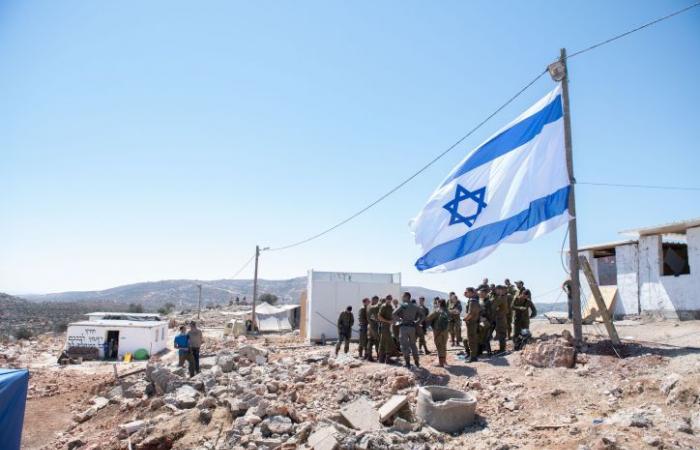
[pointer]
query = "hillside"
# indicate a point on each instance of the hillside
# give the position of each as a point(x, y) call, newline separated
point(184, 293)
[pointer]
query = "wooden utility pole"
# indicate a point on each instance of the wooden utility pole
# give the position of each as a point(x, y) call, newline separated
point(573, 234)
point(199, 301)
point(598, 296)
point(255, 286)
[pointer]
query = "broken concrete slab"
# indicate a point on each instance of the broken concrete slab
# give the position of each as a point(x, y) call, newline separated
point(392, 406)
point(323, 439)
point(361, 415)
point(445, 409)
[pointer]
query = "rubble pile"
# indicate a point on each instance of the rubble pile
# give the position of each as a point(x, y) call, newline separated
point(551, 351)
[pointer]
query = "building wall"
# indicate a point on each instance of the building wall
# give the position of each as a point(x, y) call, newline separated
point(627, 279)
point(670, 296)
point(130, 338)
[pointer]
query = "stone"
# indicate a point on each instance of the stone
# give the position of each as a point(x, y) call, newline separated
point(205, 415)
point(402, 425)
point(653, 441)
point(226, 361)
point(324, 438)
point(185, 397)
point(99, 402)
point(251, 351)
point(669, 382)
point(361, 415)
point(276, 425)
point(127, 429)
point(136, 390)
point(401, 382)
point(695, 421)
point(549, 354)
point(164, 380)
point(157, 403)
point(392, 406)
point(75, 443)
point(85, 415)
point(237, 407)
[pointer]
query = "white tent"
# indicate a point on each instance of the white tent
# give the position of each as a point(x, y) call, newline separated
point(270, 317)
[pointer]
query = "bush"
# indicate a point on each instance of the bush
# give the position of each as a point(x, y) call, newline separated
point(60, 327)
point(268, 298)
point(135, 308)
point(22, 333)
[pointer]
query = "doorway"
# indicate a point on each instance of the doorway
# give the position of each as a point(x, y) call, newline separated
point(112, 347)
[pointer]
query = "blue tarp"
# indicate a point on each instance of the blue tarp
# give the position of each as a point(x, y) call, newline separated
point(13, 397)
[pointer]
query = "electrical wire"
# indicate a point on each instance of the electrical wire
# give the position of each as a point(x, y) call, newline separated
point(238, 272)
point(627, 33)
point(641, 186)
point(415, 174)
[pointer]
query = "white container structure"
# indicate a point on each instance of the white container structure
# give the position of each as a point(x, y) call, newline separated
point(329, 293)
point(121, 336)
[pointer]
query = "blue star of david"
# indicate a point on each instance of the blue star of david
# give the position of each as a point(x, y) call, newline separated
point(462, 194)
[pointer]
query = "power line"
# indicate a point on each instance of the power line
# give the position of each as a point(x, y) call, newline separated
point(479, 125)
point(641, 186)
point(238, 272)
point(627, 33)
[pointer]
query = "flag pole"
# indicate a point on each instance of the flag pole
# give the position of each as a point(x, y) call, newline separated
point(573, 234)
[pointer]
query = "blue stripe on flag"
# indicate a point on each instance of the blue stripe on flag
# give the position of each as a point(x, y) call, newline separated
point(512, 138)
point(540, 210)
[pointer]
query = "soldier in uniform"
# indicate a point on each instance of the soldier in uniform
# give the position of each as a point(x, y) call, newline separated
point(487, 319)
point(501, 307)
point(386, 343)
point(510, 294)
point(523, 309)
point(439, 321)
point(373, 341)
point(422, 328)
point(472, 321)
point(395, 329)
point(407, 316)
point(454, 307)
point(363, 320)
point(484, 284)
point(345, 322)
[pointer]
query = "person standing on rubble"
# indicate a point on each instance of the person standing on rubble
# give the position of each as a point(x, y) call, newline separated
point(510, 295)
point(407, 316)
point(439, 321)
point(422, 328)
point(373, 341)
point(395, 328)
point(454, 307)
point(363, 320)
point(488, 319)
point(195, 340)
point(524, 310)
point(500, 307)
point(345, 322)
point(386, 343)
point(566, 287)
point(182, 344)
point(471, 319)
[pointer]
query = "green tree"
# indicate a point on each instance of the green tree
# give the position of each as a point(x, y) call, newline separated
point(268, 298)
point(22, 333)
point(135, 308)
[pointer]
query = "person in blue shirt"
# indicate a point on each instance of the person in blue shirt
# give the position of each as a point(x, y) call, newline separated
point(182, 344)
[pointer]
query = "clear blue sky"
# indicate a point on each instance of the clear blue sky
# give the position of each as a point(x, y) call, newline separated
point(154, 140)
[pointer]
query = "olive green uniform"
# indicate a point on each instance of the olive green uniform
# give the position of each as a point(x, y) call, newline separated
point(345, 322)
point(373, 328)
point(363, 320)
point(408, 315)
point(439, 321)
point(500, 311)
point(422, 329)
point(455, 311)
point(488, 323)
point(386, 343)
point(472, 321)
point(520, 307)
point(510, 295)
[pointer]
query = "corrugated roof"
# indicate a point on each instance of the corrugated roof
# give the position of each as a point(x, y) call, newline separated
point(606, 245)
point(668, 228)
point(119, 323)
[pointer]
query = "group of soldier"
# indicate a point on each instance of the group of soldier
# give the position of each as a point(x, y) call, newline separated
point(391, 328)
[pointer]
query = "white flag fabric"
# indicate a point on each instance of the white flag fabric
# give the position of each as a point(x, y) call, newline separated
point(512, 188)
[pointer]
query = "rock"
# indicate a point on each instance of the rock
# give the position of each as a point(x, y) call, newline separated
point(635, 418)
point(605, 443)
point(207, 403)
point(402, 425)
point(401, 382)
point(216, 371)
point(276, 425)
point(99, 402)
point(205, 415)
point(85, 415)
point(361, 415)
point(695, 421)
point(669, 382)
point(653, 441)
point(549, 354)
point(685, 391)
point(683, 426)
point(157, 403)
point(226, 361)
point(324, 438)
point(164, 380)
point(251, 351)
point(184, 397)
point(127, 429)
point(237, 407)
point(136, 390)
point(75, 443)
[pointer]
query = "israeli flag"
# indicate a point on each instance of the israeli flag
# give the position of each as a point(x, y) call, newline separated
point(512, 188)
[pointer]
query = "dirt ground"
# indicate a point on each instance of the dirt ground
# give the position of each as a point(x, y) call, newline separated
point(594, 405)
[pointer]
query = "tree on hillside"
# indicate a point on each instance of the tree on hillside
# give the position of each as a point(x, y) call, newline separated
point(269, 298)
point(135, 308)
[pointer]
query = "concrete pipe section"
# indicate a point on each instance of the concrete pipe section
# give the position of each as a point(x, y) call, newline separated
point(445, 409)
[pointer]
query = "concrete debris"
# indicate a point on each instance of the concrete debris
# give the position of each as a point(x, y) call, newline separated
point(445, 409)
point(361, 415)
point(392, 406)
point(324, 438)
point(251, 352)
point(130, 428)
point(550, 353)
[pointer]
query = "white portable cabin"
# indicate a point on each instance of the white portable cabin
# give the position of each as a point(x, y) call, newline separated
point(329, 293)
point(129, 335)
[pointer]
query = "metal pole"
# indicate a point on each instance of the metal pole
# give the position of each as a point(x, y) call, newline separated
point(199, 301)
point(573, 235)
point(255, 285)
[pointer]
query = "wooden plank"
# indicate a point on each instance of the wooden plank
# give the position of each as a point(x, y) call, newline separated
point(591, 312)
point(607, 318)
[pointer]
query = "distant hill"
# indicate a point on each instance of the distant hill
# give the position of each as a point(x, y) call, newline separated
point(184, 293)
